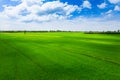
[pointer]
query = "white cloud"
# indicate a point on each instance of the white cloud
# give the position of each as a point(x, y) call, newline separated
point(102, 5)
point(32, 2)
point(114, 1)
point(108, 13)
point(86, 4)
point(36, 10)
point(117, 8)
point(14, 0)
point(78, 24)
point(53, 16)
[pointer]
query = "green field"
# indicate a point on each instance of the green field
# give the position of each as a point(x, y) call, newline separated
point(59, 56)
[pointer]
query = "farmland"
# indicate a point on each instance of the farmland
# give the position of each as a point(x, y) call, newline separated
point(59, 56)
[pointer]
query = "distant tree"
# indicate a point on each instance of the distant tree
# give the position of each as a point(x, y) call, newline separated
point(118, 30)
point(24, 31)
point(58, 31)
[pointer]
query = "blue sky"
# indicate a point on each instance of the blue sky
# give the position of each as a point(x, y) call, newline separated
point(44, 14)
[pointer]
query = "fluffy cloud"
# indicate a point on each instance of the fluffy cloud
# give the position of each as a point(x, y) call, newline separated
point(114, 1)
point(37, 10)
point(117, 8)
point(108, 13)
point(77, 24)
point(53, 16)
point(86, 4)
point(14, 0)
point(102, 5)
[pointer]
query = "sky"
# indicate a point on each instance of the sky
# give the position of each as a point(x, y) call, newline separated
point(68, 15)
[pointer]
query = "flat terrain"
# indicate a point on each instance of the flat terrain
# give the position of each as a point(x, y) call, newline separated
point(59, 56)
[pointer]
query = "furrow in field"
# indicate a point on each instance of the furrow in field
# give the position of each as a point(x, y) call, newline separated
point(8, 62)
point(14, 46)
point(78, 57)
point(53, 68)
point(88, 55)
point(21, 55)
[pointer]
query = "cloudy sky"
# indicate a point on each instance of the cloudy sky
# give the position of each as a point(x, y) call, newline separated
point(75, 15)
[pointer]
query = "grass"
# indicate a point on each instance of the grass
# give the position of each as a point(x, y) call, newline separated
point(59, 56)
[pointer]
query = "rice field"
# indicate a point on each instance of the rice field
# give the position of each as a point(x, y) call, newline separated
point(59, 56)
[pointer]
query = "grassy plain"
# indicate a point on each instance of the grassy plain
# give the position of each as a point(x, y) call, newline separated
point(59, 56)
